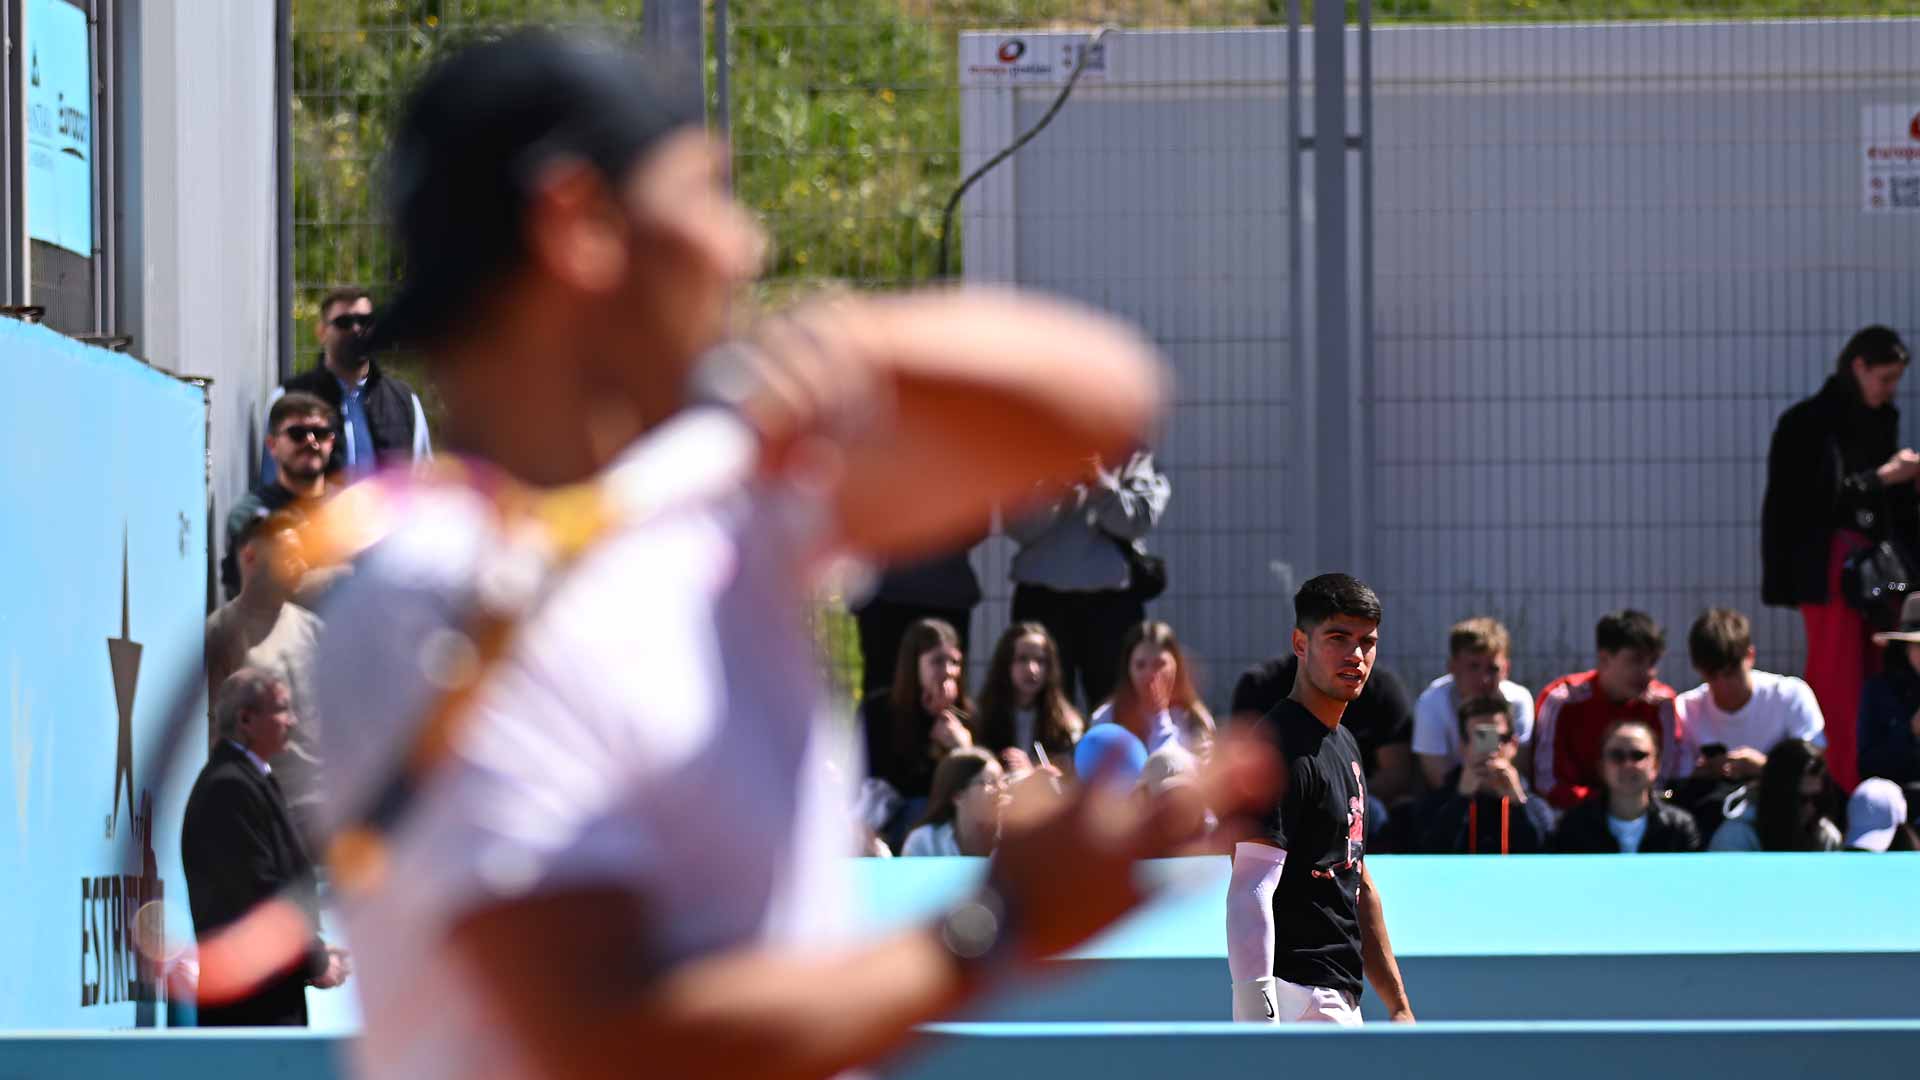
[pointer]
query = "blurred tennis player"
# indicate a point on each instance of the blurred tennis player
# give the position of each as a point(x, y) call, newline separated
point(629, 862)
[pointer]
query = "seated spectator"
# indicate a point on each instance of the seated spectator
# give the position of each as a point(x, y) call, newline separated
point(917, 721)
point(1485, 805)
point(1381, 723)
point(1576, 710)
point(1790, 808)
point(262, 628)
point(1625, 815)
point(1724, 722)
point(238, 848)
point(1890, 704)
point(1156, 699)
point(1022, 705)
point(1877, 818)
point(1477, 664)
point(963, 814)
point(300, 435)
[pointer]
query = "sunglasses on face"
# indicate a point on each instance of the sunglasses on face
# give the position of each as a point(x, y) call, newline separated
point(351, 322)
point(300, 433)
point(1628, 757)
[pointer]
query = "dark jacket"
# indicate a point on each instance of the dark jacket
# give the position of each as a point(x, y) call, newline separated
point(1887, 704)
point(1447, 823)
point(1820, 477)
point(1583, 829)
point(946, 583)
point(238, 847)
point(389, 406)
point(902, 756)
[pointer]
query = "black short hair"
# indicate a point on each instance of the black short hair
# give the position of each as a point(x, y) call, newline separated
point(345, 294)
point(300, 403)
point(1877, 345)
point(1488, 705)
point(1630, 629)
point(1323, 597)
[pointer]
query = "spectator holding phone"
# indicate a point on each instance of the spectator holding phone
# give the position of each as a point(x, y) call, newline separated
point(1838, 482)
point(1736, 710)
point(1486, 806)
point(1024, 712)
point(1625, 815)
point(1790, 808)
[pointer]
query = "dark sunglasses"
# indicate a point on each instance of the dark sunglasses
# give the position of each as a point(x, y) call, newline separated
point(351, 322)
point(300, 433)
point(1624, 757)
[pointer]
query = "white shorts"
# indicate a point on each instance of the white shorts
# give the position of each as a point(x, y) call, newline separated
point(1298, 1004)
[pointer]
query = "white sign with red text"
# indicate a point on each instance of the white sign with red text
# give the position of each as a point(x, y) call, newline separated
point(1890, 140)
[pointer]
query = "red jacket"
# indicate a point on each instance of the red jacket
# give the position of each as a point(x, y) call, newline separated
point(1572, 717)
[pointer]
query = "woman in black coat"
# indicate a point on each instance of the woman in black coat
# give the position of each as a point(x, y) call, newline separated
point(1837, 481)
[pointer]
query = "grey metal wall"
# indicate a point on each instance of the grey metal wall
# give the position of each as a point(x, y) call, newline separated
point(201, 221)
point(1608, 256)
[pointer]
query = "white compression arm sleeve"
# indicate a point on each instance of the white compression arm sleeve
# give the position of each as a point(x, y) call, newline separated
point(1256, 873)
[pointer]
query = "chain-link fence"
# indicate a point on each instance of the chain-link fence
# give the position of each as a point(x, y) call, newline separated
point(1610, 242)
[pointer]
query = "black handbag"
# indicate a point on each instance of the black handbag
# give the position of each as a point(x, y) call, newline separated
point(1146, 572)
point(1876, 579)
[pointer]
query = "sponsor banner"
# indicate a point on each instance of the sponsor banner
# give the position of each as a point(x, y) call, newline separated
point(1030, 59)
point(59, 126)
point(1890, 158)
point(104, 567)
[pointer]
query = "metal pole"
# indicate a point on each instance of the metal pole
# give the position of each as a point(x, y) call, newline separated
point(676, 29)
point(1333, 394)
point(722, 81)
point(283, 182)
point(1364, 507)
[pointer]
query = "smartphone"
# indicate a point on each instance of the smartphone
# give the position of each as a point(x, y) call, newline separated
point(1486, 739)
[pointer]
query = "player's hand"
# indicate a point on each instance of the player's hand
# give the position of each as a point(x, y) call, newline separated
point(808, 377)
point(337, 970)
point(1065, 863)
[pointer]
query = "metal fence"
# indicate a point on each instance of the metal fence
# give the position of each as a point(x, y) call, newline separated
point(1608, 243)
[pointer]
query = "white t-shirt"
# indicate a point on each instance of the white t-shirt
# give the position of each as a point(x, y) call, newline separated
point(1436, 717)
point(1167, 725)
point(932, 840)
point(1629, 833)
point(1782, 707)
point(656, 727)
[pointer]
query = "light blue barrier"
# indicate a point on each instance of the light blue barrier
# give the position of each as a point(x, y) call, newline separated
point(1547, 937)
point(1568, 1051)
point(103, 587)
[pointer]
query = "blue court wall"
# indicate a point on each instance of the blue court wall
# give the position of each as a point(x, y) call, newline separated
point(103, 589)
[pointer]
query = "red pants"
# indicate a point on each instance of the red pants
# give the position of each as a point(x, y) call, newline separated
point(1840, 656)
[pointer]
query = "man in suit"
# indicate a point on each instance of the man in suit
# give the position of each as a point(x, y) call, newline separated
point(239, 847)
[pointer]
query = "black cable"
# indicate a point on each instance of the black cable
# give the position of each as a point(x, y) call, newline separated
point(946, 216)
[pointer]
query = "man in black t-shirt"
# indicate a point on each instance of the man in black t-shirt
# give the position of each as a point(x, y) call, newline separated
point(1380, 720)
point(1304, 923)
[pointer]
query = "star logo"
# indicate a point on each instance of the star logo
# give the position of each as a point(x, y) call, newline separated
point(124, 653)
point(22, 748)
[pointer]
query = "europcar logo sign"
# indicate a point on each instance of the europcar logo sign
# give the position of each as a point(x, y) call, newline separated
point(1011, 50)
